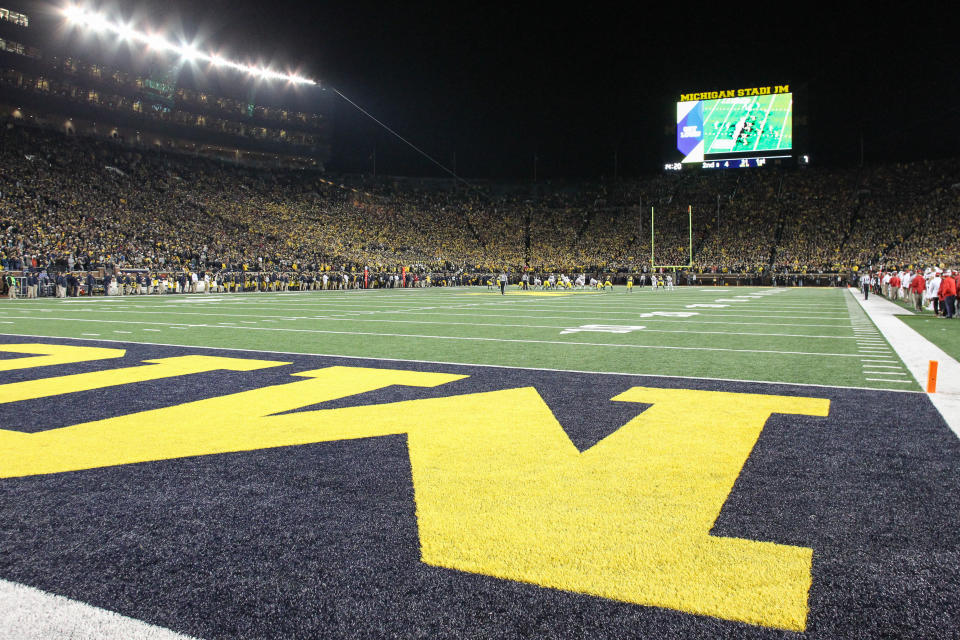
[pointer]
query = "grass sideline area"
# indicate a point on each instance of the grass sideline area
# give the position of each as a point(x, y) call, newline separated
point(448, 463)
point(939, 331)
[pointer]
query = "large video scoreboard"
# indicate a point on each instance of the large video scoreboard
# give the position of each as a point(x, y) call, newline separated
point(733, 128)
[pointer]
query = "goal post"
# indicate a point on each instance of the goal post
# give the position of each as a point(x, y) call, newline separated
point(653, 235)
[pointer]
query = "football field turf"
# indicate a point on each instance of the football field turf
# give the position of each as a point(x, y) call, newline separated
point(706, 462)
point(810, 336)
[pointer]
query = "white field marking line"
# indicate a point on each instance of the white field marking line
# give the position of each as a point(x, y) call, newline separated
point(497, 325)
point(473, 307)
point(440, 298)
point(916, 352)
point(550, 303)
point(121, 332)
point(301, 309)
point(884, 373)
point(157, 330)
point(882, 366)
point(495, 298)
point(766, 116)
point(690, 320)
point(90, 334)
point(628, 314)
point(486, 306)
point(32, 614)
point(783, 125)
point(620, 311)
point(465, 364)
point(465, 338)
point(890, 380)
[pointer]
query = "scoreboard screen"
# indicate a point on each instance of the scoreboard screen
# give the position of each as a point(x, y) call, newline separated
point(734, 128)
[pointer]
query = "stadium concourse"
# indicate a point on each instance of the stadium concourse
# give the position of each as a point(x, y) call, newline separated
point(691, 461)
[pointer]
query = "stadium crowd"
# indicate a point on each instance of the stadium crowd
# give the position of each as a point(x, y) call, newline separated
point(78, 204)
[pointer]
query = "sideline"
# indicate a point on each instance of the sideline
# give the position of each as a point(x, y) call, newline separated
point(917, 352)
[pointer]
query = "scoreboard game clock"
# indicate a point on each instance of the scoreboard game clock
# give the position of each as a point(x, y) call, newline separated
point(733, 128)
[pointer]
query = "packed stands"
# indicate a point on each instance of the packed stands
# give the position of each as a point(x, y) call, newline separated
point(75, 203)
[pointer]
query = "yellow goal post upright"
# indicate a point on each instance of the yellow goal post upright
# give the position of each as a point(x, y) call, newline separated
point(653, 262)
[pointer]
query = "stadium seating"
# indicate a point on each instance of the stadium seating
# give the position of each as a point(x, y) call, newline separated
point(68, 202)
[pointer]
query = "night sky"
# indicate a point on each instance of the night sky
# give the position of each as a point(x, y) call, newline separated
point(494, 86)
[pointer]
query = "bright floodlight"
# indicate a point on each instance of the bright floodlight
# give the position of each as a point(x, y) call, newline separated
point(126, 32)
point(73, 14)
point(99, 23)
point(189, 53)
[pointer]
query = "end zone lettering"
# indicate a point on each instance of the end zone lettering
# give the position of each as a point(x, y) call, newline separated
point(485, 466)
point(735, 93)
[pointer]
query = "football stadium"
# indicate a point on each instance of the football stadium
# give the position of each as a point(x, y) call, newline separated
point(247, 392)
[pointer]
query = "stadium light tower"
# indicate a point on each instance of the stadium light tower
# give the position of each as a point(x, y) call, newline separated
point(98, 23)
point(84, 18)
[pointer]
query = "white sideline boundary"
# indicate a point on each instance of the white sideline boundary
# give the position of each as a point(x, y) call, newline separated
point(917, 352)
point(31, 614)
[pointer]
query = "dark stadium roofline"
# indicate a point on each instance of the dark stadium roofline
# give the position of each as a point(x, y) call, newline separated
point(468, 364)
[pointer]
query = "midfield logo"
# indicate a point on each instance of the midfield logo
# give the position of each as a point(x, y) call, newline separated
point(500, 489)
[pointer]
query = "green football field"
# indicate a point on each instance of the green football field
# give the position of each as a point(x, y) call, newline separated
point(763, 123)
point(453, 463)
point(807, 336)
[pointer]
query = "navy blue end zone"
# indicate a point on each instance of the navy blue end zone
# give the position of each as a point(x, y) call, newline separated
point(321, 540)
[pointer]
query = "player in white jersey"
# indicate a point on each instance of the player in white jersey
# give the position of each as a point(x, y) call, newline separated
point(669, 283)
point(551, 281)
point(580, 280)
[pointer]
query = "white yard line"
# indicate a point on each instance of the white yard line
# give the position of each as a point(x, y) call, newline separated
point(766, 116)
point(457, 338)
point(783, 125)
point(917, 352)
point(584, 316)
point(477, 324)
point(473, 364)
